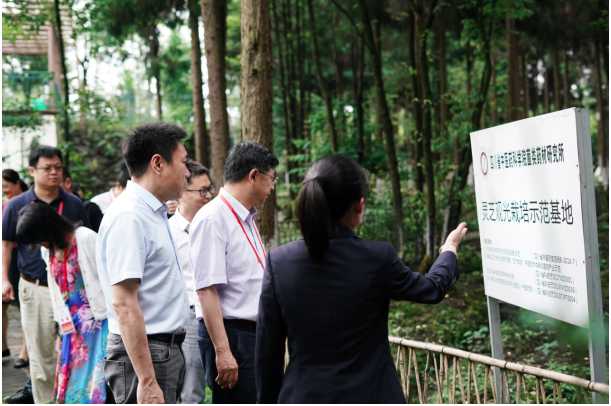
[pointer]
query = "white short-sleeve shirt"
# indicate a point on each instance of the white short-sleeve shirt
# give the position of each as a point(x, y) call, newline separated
point(134, 242)
point(222, 256)
point(103, 200)
point(179, 226)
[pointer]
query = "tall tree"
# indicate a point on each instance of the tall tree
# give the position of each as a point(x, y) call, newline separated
point(358, 73)
point(324, 90)
point(602, 137)
point(484, 21)
point(256, 89)
point(514, 107)
point(385, 121)
point(215, 36)
point(199, 112)
point(424, 12)
point(59, 38)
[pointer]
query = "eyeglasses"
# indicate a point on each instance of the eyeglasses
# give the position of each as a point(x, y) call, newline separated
point(203, 192)
point(50, 168)
point(273, 177)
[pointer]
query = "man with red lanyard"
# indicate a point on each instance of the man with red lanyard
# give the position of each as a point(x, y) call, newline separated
point(46, 168)
point(228, 259)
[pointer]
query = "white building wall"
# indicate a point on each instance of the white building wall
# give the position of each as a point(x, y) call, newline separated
point(16, 142)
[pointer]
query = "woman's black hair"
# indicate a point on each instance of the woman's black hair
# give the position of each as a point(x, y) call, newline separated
point(11, 175)
point(23, 185)
point(39, 222)
point(330, 188)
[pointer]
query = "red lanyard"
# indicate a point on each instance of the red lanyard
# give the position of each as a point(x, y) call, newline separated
point(60, 209)
point(246, 234)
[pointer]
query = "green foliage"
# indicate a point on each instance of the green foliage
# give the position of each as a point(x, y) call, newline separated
point(19, 22)
point(175, 63)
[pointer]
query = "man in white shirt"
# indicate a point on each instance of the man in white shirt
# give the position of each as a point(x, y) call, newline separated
point(140, 272)
point(228, 259)
point(199, 191)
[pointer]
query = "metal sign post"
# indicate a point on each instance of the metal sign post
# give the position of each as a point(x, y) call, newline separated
point(496, 345)
point(597, 332)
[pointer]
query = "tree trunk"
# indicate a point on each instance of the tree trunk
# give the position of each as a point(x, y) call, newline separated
point(546, 105)
point(556, 73)
point(565, 81)
point(526, 85)
point(440, 41)
point(256, 89)
point(325, 93)
point(422, 28)
point(214, 14)
point(57, 29)
point(291, 63)
point(601, 134)
point(358, 67)
point(493, 101)
point(83, 97)
point(385, 123)
point(459, 180)
point(416, 101)
point(513, 52)
point(154, 46)
point(301, 78)
point(279, 36)
point(199, 112)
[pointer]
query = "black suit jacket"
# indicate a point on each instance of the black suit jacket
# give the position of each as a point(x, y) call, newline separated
point(335, 316)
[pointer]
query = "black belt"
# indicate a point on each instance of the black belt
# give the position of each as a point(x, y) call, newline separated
point(177, 337)
point(34, 280)
point(241, 324)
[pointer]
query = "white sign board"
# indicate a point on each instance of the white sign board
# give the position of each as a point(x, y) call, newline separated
point(528, 193)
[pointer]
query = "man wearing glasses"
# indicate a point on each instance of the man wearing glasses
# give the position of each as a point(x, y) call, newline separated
point(199, 191)
point(46, 168)
point(228, 259)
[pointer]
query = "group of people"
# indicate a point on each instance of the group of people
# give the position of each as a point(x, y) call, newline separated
point(156, 306)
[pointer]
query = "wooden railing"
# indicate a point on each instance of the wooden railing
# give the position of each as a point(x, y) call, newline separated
point(432, 373)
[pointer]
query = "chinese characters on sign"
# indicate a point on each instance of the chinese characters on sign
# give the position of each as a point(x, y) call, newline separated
point(534, 212)
point(539, 155)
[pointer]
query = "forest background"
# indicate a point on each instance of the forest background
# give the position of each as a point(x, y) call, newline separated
point(396, 84)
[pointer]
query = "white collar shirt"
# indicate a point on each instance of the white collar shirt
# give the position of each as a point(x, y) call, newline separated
point(222, 255)
point(179, 226)
point(134, 242)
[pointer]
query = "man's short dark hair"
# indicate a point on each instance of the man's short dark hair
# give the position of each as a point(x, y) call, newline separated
point(44, 151)
point(148, 140)
point(246, 156)
point(196, 170)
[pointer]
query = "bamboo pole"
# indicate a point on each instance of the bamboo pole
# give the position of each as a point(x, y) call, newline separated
point(511, 366)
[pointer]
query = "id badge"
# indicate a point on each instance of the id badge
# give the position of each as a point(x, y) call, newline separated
point(66, 326)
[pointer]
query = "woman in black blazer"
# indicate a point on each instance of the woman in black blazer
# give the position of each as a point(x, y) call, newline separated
point(329, 295)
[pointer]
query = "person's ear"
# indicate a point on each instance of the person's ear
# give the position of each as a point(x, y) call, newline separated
point(252, 175)
point(31, 171)
point(156, 163)
point(360, 206)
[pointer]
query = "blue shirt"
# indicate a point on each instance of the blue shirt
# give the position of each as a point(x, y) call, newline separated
point(29, 260)
point(134, 242)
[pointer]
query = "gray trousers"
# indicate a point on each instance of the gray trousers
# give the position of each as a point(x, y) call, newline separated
point(168, 362)
point(194, 388)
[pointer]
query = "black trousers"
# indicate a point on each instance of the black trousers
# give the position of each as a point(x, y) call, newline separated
point(241, 335)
